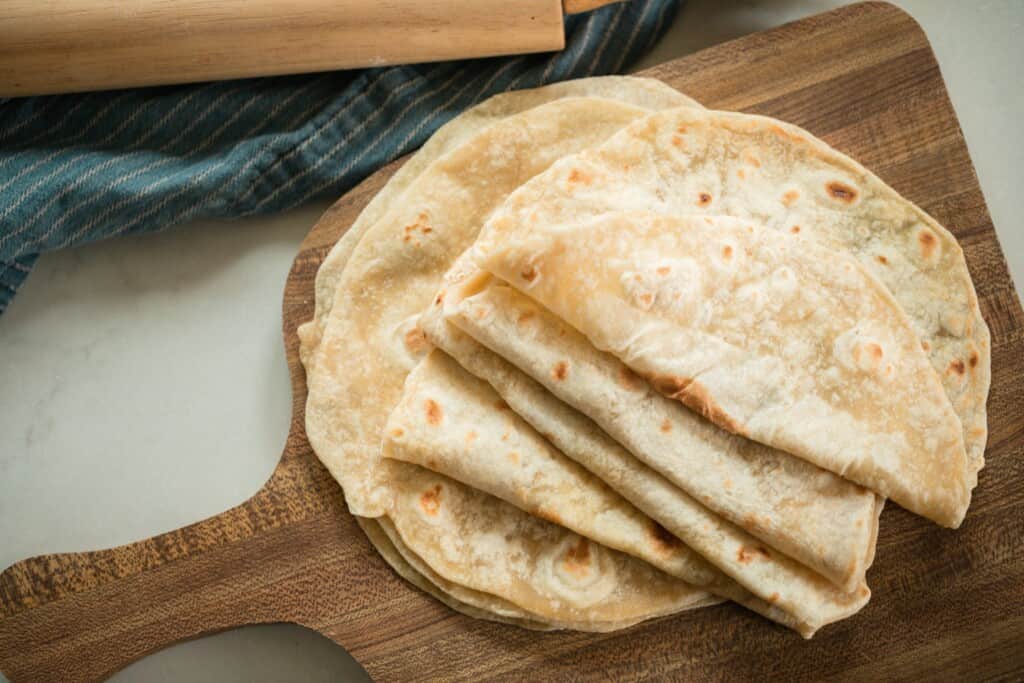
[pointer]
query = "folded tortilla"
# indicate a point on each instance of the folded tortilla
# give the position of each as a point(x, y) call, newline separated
point(369, 343)
point(474, 540)
point(772, 584)
point(770, 336)
point(648, 93)
point(699, 162)
point(815, 517)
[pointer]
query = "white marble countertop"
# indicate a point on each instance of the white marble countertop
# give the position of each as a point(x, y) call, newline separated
point(145, 384)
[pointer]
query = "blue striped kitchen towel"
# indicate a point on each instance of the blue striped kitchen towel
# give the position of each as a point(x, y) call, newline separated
point(79, 168)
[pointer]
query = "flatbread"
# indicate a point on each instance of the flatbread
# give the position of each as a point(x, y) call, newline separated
point(811, 515)
point(396, 267)
point(371, 342)
point(478, 604)
point(516, 463)
point(483, 544)
point(453, 423)
point(653, 93)
point(381, 534)
point(690, 161)
point(770, 336)
point(648, 93)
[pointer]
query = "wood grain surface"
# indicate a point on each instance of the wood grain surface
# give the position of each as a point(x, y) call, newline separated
point(73, 45)
point(946, 604)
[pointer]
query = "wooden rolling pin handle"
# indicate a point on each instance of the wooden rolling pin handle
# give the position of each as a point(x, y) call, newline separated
point(76, 45)
point(578, 6)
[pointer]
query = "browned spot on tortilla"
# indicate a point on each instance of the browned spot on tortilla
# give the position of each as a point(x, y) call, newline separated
point(789, 197)
point(415, 340)
point(397, 431)
point(666, 426)
point(727, 252)
point(727, 484)
point(431, 464)
point(578, 176)
point(957, 366)
point(747, 555)
point(433, 411)
point(860, 523)
point(874, 350)
point(419, 224)
point(773, 598)
point(669, 385)
point(973, 359)
point(664, 542)
point(647, 298)
point(663, 270)
point(628, 379)
point(695, 396)
point(678, 142)
point(560, 371)
point(783, 133)
point(500, 405)
point(430, 501)
point(703, 199)
point(742, 174)
point(863, 591)
point(681, 128)
point(577, 559)
point(751, 159)
point(928, 242)
point(841, 191)
point(881, 259)
point(528, 273)
point(925, 345)
point(513, 457)
point(480, 313)
point(471, 436)
point(549, 515)
point(525, 317)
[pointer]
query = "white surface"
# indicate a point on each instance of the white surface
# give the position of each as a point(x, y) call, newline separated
point(144, 379)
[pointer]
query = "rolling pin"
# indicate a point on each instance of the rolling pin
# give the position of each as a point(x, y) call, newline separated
point(58, 46)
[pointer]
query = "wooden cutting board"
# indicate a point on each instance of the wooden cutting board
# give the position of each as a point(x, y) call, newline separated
point(946, 603)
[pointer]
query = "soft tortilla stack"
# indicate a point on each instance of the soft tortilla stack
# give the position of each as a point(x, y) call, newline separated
point(596, 355)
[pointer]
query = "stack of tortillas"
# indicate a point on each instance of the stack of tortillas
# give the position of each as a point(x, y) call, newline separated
point(596, 354)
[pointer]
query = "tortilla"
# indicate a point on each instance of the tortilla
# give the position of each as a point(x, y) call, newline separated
point(370, 342)
point(648, 93)
point(770, 336)
point(477, 604)
point(483, 544)
point(689, 161)
point(540, 479)
point(471, 603)
point(453, 423)
point(651, 92)
point(395, 268)
point(811, 515)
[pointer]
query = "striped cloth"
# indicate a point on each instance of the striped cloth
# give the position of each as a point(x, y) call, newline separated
point(79, 168)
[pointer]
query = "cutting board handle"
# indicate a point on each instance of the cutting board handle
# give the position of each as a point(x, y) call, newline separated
point(111, 607)
point(86, 591)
